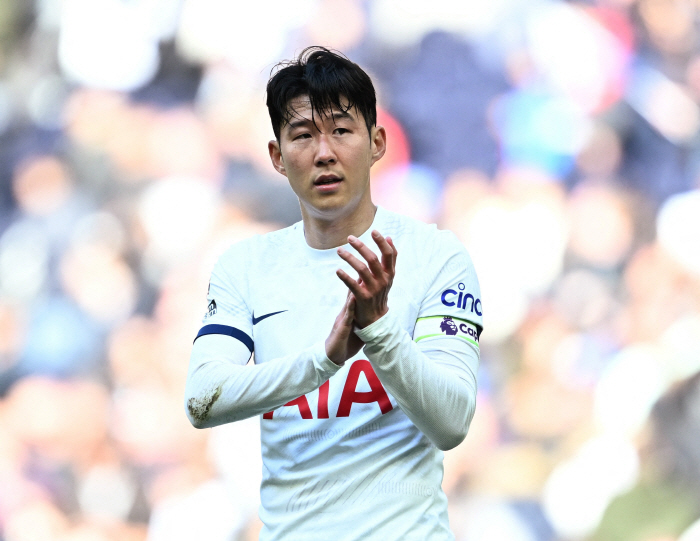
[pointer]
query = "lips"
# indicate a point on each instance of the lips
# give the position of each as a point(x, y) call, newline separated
point(326, 179)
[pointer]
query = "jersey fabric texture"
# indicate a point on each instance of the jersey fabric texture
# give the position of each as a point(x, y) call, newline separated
point(350, 452)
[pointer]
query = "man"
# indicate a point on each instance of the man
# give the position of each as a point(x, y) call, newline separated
point(360, 382)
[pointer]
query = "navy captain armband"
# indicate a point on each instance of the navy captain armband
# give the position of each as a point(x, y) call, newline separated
point(228, 331)
point(427, 327)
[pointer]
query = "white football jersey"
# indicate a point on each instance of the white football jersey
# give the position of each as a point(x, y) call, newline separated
point(344, 461)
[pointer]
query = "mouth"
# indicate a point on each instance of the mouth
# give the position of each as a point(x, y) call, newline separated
point(327, 184)
point(327, 180)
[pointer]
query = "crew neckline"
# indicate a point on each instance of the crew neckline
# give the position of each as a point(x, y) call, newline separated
point(332, 253)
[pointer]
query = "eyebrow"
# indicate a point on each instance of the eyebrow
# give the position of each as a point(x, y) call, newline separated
point(298, 123)
point(301, 122)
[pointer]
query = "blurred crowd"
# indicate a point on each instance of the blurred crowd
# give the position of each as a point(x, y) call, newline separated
point(559, 140)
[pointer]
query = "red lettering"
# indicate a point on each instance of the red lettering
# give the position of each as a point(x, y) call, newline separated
point(350, 395)
point(302, 403)
point(323, 400)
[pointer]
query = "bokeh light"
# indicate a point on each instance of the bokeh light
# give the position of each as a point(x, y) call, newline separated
point(557, 140)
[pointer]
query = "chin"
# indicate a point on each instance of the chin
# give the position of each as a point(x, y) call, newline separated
point(330, 205)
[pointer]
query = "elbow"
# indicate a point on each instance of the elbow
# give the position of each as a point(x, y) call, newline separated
point(455, 435)
point(198, 407)
point(196, 422)
point(450, 441)
point(196, 419)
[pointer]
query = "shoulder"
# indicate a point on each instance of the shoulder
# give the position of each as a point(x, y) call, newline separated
point(251, 248)
point(242, 261)
point(419, 236)
point(278, 238)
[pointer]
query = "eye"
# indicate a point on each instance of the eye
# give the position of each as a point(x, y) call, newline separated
point(341, 131)
point(302, 136)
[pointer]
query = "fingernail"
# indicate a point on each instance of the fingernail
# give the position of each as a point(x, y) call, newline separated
point(375, 233)
point(352, 238)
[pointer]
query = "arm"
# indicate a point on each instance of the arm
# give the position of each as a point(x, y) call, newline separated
point(221, 387)
point(433, 381)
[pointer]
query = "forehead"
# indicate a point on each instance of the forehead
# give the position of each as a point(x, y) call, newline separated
point(300, 108)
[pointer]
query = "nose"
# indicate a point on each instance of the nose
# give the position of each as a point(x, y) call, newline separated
point(324, 151)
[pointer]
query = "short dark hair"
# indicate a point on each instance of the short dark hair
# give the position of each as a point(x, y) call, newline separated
point(326, 77)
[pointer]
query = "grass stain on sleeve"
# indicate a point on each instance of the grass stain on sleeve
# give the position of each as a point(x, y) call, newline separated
point(199, 407)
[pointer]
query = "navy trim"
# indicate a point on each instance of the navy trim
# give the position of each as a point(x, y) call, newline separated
point(228, 331)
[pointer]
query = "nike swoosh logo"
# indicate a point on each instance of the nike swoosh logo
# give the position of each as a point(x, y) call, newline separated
point(257, 320)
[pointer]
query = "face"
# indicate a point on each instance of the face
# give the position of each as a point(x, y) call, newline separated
point(328, 163)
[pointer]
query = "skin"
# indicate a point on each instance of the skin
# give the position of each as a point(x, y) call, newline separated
point(339, 147)
point(337, 143)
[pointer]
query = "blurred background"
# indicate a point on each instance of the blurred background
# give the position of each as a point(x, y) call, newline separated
point(559, 140)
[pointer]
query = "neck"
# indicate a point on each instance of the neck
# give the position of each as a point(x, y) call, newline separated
point(324, 231)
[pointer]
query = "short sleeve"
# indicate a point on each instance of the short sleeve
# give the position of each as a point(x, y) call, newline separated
point(452, 304)
point(227, 311)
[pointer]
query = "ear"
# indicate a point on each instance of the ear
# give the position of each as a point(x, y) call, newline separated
point(378, 143)
point(273, 147)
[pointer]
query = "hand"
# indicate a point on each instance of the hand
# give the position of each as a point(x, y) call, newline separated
point(371, 290)
point(343, 343)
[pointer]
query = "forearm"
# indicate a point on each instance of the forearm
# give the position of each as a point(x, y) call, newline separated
point(437, 393)
point(220, 391)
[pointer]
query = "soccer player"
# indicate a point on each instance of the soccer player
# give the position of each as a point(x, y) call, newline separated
point(365, 362)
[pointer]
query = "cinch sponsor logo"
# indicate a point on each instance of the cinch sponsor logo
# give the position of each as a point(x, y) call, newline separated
point(449, 327)
point(465, 301)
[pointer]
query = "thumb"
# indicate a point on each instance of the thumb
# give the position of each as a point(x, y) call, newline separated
point(350, 309)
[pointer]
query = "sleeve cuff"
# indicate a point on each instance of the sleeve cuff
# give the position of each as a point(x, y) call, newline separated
point(323, 364)
point(378, 329)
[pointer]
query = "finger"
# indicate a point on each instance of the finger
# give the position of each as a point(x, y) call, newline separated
point(358, 265)
point(350, 302)
point(350, 310)
point(349, 313)
point(372, 260)
point(352, 285)
point(387, 251)
point(339, 319)
point(395, 254)
point(344, 318)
